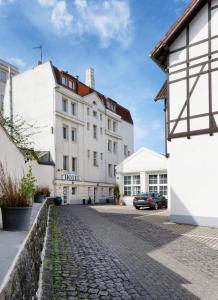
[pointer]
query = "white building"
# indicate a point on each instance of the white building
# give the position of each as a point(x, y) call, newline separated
point(6, 70)
point(188, 54)
point(87, 134)
point(16, 162)
point(143, 171)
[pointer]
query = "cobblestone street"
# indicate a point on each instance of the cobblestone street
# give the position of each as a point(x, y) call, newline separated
point(107, 252)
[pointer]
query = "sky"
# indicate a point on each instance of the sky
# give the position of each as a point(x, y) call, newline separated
point(115, 37)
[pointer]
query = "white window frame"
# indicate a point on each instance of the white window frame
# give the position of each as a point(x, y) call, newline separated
point(65, 132)
point(95, 132)
point(95, 159)
point(73, 108)
point(132, 183)
point(65, 162)
point(158, 185)
point(64, 105)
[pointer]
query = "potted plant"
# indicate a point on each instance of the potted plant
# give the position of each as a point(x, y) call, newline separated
point(117, 194)
point(16, 200)
point(41, 193)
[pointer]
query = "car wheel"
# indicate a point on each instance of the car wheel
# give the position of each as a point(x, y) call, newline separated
point(138, 207)
point(156, 206)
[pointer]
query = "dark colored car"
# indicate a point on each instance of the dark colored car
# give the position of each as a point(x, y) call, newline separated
point(57, 200)
point(152, 200)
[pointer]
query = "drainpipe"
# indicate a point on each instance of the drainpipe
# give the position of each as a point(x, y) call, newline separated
point(11, 99)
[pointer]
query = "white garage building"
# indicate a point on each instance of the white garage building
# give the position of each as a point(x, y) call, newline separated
point(143, 171)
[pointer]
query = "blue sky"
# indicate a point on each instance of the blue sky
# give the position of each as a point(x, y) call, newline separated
point(115, 37)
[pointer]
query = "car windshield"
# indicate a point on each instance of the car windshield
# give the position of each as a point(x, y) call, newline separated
point(148, 195)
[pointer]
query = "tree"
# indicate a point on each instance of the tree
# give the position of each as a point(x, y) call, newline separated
point(117, 194)
point(19, 130)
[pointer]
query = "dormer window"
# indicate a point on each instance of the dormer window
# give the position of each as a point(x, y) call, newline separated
point(71, 85)
point(64, 80)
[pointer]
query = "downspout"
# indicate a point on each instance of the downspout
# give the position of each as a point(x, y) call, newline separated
point(11, 100)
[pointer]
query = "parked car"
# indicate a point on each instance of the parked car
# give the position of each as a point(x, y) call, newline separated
point(152, 200)
point(57, 200)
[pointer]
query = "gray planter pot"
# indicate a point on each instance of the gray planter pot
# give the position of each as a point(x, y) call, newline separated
point(16, 218)
point(39, 198)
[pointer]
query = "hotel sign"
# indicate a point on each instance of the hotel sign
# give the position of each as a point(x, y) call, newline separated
point(71, 177)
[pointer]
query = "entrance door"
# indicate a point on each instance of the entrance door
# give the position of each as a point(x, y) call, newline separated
point(65, 194)
point(95, 194)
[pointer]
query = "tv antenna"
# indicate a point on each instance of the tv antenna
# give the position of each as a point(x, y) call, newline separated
point(40, 48)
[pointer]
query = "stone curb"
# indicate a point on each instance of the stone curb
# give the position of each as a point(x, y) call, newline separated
point(21, 280)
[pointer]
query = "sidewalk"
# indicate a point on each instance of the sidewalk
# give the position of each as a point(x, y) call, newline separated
point(10, 243)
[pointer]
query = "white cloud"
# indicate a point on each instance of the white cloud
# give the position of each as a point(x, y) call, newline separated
point(17, 62)
point(61, 18)
point(110, 20)
point(47, 2)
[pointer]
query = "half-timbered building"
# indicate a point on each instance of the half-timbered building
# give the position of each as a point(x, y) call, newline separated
point(188, 54)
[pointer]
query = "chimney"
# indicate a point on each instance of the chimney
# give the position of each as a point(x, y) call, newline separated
point(90, 79)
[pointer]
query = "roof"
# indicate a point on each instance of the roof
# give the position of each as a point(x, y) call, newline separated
point(160, 52)
point(149, 161)
point(83, 90)
point(162, 94)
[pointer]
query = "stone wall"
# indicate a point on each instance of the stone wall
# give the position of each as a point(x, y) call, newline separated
point(22, 280)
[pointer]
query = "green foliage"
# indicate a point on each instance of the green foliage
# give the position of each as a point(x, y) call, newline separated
point(117, 194)
point(27, 185)
point(43, 190)
point(14, 193)
point(19, 130)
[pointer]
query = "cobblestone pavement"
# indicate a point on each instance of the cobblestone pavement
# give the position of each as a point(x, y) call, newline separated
point(123, 254)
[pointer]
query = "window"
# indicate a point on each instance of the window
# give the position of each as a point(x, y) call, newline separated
point(128, 153)
point(88, 153)
point(114, 126)
point(71, 84)
point(152, 179)
point(110, 192)
point(109, 145)
point(127, 180)
point(64, 80)
point(101, 156)
point(163, 178)
point(2, 103)
point(158, 183)
point(110, 170)
point(115, 170)
point(94, 131)
point(64, 105)
point(3, 76)
point(127, 191)
point(115, 147)
point(88, 111)
point(94, 114)
point(163, 190)
point(73, 191)
point(66, 163)
point(109, 124)
point(132, 185)
point(95, 159)
point(74, 161)
point(101, 130)
point(125, 150)
point(73, 108)
point(88, 125)
point(153, 189)
point(101, 117)
point(65, 132)
point(73, 134)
